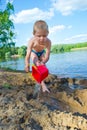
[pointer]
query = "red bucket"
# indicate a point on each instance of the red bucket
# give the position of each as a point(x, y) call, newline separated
point(39, 72)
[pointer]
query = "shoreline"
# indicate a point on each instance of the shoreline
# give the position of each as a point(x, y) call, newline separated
point(82, 48)
point(15, 56)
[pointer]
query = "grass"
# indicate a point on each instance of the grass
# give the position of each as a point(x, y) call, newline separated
point(6, 85)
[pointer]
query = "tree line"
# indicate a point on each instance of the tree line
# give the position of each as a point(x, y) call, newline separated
point(60, 48)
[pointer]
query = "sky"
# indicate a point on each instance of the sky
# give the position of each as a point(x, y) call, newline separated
point(67, 19)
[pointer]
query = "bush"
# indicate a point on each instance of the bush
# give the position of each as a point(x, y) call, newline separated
point(7, 55)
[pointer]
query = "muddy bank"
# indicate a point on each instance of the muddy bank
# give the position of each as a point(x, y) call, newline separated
point(25, 107)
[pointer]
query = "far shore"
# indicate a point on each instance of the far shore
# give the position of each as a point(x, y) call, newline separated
point(82, 48)
point(15, 56)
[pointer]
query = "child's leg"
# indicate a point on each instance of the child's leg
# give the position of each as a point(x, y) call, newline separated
point(34, 58)
point(44, 87)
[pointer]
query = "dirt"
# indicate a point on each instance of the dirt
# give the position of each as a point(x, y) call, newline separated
point(23, 106)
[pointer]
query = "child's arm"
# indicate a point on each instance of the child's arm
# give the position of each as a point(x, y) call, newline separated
point(27, 57)
point(47, 54)
point(27, 66)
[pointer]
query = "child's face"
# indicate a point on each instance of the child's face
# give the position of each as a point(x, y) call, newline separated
point(41, 35)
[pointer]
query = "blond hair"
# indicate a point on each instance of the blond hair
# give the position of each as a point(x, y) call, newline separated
point(40, 25)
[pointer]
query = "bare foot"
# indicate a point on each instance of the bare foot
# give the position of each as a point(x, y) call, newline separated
point(44, 88)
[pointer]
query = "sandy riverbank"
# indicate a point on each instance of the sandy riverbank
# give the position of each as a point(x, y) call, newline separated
point(23, 107)
point(82, 48)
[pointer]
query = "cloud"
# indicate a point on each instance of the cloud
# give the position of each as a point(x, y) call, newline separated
point(26, 16)
point(76, 38)
point(56, 28)
point(66, 7)
point(70, 40)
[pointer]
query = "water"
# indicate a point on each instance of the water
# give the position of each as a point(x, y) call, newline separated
point(69, 64)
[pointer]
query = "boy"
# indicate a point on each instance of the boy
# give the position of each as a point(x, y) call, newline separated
point(38, 48)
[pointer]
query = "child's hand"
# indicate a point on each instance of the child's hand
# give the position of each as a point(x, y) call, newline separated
point(27, 68)
point(38, 63)
point(42, 63)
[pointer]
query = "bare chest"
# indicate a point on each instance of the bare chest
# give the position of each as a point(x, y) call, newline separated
point(39, 46)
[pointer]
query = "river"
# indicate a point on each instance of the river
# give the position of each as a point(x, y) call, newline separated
point(69, 64)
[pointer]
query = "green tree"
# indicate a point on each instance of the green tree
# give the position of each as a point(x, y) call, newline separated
point(22, 51)
point(6, 26)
